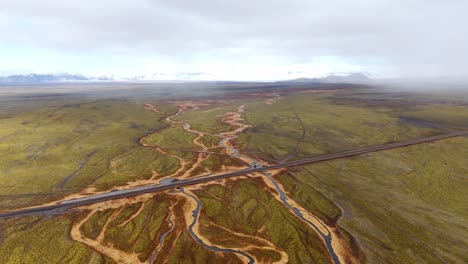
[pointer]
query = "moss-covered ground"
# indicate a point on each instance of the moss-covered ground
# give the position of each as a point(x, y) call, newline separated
point(406, 205)
point(403, 205)
point(48, 152)
point(327, 126)
point(35, 240)
point(245, 207)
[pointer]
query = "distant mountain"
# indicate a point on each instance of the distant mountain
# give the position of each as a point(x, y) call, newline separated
point(40, 78)
point(349, 78)
point(102, 78)
point(337, 78)
point(151, 77)
point(182, 76)
point(65, 77)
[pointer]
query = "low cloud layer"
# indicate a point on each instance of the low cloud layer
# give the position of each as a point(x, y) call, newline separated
point(406, 38)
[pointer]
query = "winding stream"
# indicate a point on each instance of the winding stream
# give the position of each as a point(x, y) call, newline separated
point(233, 118)
point(284, 198)
point(196, 214)
point(323, 232)
point(231, 151)
point(161, 241)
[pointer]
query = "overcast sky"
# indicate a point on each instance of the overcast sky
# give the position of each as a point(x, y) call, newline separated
point(241, 39)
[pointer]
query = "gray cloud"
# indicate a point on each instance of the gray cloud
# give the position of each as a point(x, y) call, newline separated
point(414, 37)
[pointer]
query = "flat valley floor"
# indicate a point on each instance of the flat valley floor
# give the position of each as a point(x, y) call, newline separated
point(404, 205)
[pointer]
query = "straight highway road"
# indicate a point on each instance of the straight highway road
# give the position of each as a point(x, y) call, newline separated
point(118, 194)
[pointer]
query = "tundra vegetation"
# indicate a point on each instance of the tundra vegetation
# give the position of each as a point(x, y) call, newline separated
point(405, 205)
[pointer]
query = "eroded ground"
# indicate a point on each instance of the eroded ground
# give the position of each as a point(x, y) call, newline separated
point(399, 206)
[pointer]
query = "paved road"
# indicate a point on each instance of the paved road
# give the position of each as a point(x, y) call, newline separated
point(202, 179)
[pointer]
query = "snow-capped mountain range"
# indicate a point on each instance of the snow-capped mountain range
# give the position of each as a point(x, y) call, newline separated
point(184, 76)
point(33, 78)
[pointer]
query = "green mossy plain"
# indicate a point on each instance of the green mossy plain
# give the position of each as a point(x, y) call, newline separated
point(33, 240)
point(243, 207)
point(43, 146)
point(208, 119)
point(140, 234)
point(328, 127)
point(404, 205)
